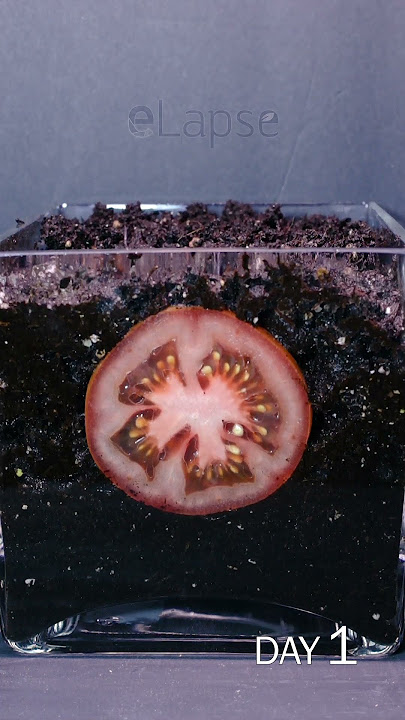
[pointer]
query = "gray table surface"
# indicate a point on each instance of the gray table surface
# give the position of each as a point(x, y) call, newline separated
point(103, 687)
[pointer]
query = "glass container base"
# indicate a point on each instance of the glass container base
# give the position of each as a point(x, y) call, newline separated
point(193, 627)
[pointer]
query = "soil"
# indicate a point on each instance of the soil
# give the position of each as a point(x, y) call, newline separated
point(327, 541)
point(238, 226)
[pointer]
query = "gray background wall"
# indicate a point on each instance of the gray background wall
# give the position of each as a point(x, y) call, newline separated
point(71, 71)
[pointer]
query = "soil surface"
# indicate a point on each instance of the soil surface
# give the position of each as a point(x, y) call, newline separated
point(327, 541)
point(238, 226)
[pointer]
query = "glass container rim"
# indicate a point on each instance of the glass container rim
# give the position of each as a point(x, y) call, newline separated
point(387, 220)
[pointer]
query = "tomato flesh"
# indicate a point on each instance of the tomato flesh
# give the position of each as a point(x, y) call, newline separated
point(197, 412)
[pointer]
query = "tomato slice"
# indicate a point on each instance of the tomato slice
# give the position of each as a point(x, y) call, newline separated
point(197, 412)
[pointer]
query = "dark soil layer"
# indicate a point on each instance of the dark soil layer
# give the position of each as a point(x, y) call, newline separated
point(327, 541)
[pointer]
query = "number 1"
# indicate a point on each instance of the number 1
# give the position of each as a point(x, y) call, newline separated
point(343, 648)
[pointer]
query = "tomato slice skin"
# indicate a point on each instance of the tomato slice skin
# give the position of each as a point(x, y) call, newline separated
point(197, 412)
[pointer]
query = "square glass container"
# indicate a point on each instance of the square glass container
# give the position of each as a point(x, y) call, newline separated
point(84, 567)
